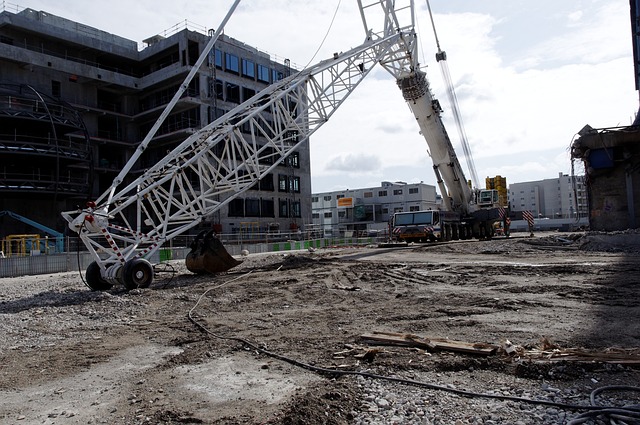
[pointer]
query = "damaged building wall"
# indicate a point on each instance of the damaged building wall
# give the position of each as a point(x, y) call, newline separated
point(611, 159)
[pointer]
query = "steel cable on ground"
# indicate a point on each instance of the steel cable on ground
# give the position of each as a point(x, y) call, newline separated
point(592, 410)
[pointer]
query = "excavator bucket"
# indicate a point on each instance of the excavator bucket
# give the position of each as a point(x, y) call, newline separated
point(208, 255)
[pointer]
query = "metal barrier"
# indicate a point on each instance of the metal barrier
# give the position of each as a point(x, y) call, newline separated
point(43, 264)
point(79, 261)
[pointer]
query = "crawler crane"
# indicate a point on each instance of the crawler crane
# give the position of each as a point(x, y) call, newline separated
point(129, 222)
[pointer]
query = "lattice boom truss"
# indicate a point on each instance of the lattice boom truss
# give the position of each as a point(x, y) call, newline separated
point(233, 153)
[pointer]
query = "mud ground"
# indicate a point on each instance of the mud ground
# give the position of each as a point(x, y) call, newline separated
point(240, 347)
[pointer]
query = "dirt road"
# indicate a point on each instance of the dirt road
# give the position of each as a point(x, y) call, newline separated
point(194, 349)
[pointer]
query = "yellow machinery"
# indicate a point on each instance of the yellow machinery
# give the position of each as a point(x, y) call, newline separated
point(21, 245)
point(498, 183)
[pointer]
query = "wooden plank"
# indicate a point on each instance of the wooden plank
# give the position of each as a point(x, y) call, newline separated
point(410, 340)
point(406, 340)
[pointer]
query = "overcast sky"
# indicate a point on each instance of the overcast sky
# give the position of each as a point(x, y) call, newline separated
point(528, 76)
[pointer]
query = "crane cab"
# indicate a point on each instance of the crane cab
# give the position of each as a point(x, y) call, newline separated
point(488, 198)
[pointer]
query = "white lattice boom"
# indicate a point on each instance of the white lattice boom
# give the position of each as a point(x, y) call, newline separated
point(230, 155)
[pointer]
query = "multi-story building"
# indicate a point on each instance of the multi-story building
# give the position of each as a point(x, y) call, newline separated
point(562, 197)
point(359, 210)
point(75, 101)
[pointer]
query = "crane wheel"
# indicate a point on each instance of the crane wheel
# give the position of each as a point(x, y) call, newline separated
point(137, 273)
point(95, 280)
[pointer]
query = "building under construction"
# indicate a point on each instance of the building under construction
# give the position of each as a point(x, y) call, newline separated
point(75, 102)
point(611, 160)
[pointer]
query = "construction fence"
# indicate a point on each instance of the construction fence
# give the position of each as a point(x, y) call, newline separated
point(77, 259)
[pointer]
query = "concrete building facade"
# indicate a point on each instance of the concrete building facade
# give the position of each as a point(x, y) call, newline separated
point(75, 101)
point(364, 210)
point(561, 197)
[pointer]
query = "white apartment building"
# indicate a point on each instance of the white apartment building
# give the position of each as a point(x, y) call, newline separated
point(361, 210)
point(561, 197)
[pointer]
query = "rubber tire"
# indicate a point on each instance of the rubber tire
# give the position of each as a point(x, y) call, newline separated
point(488, 230)
point(95, 280)
point(137, 273)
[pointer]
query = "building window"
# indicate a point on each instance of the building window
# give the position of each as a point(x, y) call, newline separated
point(385, 211)
point(294, 184)
point(263, 74)
point(252, 208)
point(342, 214)
point(276, 75)
point(397, 210)
point(339, 196)
point(232, 63)
point(55, 88)
point(295, 209)
point(397, 191)
point(382, 193)
point(413, 190)
point(267, 208)
point(328, 214)
point(283, 183)
point(289, 184)
point(233, 93)
point(414, 208)
point(236, 208)
point(266, 183)
point(283, 208)
point(219, 88)
point(247, 93)
point(327, 197)
point(314, 199)
point(368, 194)
point(315, 215)
point(248, 69)
point(218, 59)
point(293, 160)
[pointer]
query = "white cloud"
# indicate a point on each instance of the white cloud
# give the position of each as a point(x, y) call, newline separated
point(355, 164)
point(575, 17)
point(593, 38)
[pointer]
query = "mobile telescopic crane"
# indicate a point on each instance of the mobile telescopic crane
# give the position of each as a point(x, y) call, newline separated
point(468, 211)
point(126, 225)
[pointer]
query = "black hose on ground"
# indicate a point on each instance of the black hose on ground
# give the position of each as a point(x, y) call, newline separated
point(629, 414)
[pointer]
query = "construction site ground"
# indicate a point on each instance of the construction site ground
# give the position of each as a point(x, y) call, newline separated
point(560, 309)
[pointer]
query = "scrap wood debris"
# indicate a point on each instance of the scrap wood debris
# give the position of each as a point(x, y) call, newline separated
point(547, 351)
point(553, 353)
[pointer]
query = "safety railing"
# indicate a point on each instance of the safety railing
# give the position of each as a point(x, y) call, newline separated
point(75, 258)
